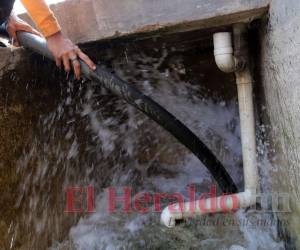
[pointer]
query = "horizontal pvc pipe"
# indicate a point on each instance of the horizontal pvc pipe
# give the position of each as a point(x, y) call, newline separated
point(143, 103)
point(227, 203)
point(248, 197)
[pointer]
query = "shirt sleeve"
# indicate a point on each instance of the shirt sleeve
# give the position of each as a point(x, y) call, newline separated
point(42, 16)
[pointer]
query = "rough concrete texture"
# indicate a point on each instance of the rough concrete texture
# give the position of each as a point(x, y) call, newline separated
point(10, 58)
point(280, 63)
point(92, 20)
point(18, 116)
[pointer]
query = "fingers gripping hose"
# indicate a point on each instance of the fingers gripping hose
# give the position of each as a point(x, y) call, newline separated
point(143, 103)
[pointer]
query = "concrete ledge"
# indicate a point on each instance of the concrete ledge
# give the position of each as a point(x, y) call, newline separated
point(91, 20)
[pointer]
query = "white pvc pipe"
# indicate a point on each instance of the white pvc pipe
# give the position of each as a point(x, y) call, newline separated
point(247, 123)
point(223, 52)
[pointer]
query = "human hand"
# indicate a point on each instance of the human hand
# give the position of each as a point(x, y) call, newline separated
point(15, 24)
point(66, 53)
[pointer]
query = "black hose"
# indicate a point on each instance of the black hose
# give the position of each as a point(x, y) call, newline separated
point(143, 103)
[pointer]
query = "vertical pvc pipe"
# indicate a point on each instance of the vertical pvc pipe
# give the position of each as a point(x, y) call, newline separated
point(224, 59)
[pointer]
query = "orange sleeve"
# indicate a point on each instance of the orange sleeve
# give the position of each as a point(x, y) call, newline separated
point(42, 16)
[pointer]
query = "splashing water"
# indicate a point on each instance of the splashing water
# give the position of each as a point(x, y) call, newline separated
point(92, 138)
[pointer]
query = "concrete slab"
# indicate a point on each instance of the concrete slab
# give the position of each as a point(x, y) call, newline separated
point(91, 20)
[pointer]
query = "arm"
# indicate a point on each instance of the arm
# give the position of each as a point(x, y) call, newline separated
point(63, 50)
point(42, 16)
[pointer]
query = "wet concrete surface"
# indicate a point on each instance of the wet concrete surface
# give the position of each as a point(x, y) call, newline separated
point(56, 133)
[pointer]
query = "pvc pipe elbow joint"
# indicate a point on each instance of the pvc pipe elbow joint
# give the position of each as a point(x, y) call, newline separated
point(223, 52)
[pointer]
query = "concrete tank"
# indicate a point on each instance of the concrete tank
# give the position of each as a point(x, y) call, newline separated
point(274, 36)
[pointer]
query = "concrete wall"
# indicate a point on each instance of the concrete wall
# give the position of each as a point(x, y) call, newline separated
point(92, 20)
point(280, 58)
point(280, 64)
point(49, 135)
